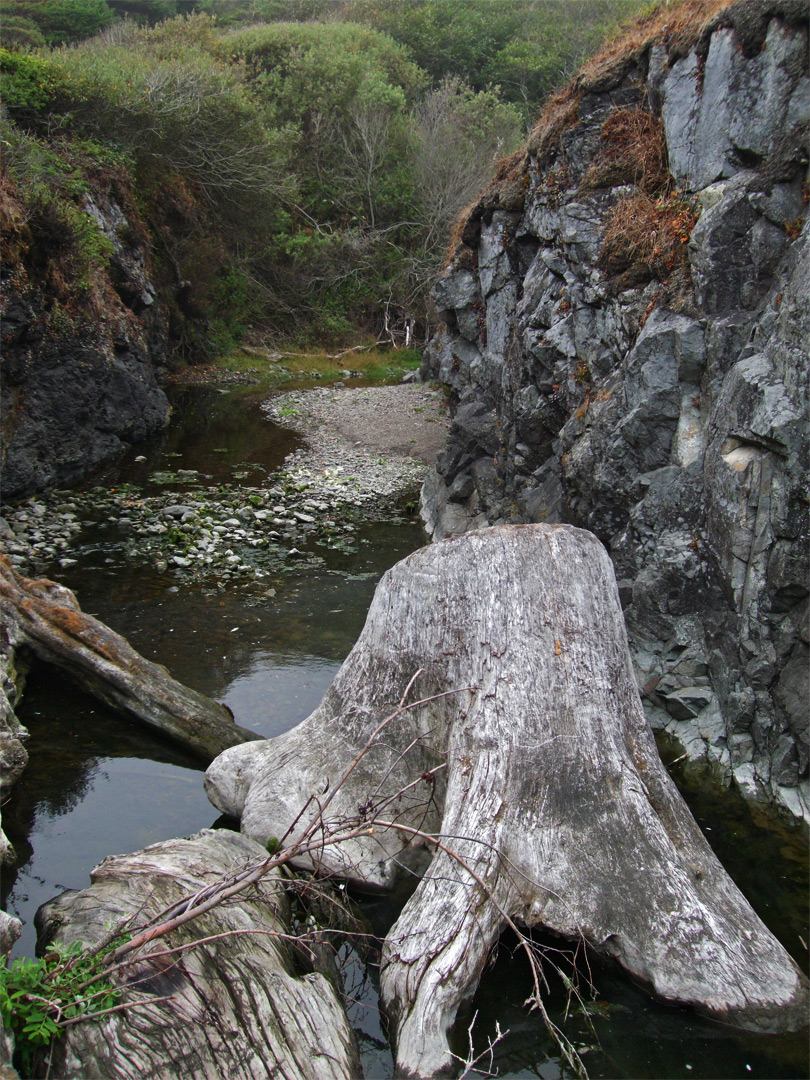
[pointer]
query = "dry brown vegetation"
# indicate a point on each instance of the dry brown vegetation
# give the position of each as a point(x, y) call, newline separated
point(457, 231)
point(646, 237)
point(634, 151)
point(678, 25)
point(506, 191)
point(634, 144)
point(561, 114)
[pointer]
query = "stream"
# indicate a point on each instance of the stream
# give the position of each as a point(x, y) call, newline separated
point(268, 644)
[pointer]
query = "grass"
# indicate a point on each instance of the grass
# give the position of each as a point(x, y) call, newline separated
point(647, 238)
point(633, 150)
point(274, 368)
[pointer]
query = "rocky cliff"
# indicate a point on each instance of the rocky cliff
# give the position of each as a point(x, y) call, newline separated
point(77, 377)
point(625, 347)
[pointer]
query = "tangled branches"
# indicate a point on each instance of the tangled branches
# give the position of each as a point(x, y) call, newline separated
point(117, 974)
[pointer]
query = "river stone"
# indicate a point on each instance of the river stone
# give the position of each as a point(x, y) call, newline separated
point(239, 1008)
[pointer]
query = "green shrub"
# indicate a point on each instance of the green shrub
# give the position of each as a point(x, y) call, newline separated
point(28, 83)
point(21, 33)
point(37, 995)
point(60, 22)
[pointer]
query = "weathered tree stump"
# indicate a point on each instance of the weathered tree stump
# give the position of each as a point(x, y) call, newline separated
point(47, 619)
point(238, 1009)
point(555, 805)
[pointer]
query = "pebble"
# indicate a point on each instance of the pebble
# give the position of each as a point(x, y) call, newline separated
point(193, 532)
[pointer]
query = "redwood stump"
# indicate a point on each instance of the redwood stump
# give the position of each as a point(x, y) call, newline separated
point(543, 785)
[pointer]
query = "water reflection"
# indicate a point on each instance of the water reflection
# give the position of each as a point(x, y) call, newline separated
point(98, 784)
point(277, 686)
point(622, 1031)
point(220, 434)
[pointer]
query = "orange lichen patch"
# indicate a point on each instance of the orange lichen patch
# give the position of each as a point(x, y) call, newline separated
point(793, 228)
point(78, 626)
point(634, 150)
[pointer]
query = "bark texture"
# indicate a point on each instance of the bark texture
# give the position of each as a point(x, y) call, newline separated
point(555, 797)
point(46, 618)
point(237, 1008)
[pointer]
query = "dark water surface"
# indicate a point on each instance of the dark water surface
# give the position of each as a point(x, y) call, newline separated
point(98, 785)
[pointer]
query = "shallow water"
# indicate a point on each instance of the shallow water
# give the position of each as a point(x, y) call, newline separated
point(205, 435)
point(627, 1033)
point(97, 784)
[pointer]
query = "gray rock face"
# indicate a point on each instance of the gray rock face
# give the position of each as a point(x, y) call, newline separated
point(73, 395)
point(663, 407)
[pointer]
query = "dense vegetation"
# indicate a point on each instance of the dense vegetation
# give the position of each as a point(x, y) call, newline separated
point(289, 166)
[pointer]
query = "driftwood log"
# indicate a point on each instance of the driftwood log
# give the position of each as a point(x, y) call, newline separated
point(553, 802)
point(236, 1006)
point(46, 618)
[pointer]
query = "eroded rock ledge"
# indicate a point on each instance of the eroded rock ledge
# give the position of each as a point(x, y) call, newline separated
point(658, 399)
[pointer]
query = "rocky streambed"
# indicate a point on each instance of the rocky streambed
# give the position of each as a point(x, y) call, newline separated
point(365, 459)
point(269, 648)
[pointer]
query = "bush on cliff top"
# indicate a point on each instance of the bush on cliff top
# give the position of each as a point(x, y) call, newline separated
point(313, 164)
